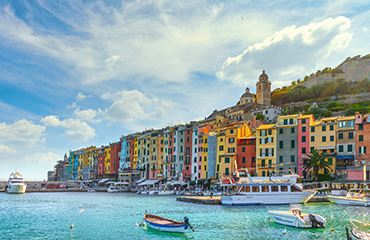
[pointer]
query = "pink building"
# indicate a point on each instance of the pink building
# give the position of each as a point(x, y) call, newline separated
point(303, 141)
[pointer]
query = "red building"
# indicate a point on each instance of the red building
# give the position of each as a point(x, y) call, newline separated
point(115, 153)
point(188, 143)
point(246, 153)
point(101, 157)
point(303, 141)
point(362, 126)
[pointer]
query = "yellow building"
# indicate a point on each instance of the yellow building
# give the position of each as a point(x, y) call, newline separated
point(107, 160)
point(204, 155)
point(160, 155)
point(323, 138)
point(266, 149)
point(135, 154)
point(226, 152)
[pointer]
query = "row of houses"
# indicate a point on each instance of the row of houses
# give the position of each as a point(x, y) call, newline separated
point(221, 146)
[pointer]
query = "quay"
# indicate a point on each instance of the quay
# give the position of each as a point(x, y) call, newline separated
point(200, 199)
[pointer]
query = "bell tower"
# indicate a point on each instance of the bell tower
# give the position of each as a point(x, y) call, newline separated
point(263, 89)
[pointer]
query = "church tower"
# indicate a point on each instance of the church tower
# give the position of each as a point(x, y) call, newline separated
point(263, 89)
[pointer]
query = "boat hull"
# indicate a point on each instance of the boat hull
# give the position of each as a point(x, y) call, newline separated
point(17, 188)
point(165, 228)
point(266, 198)
point(349, 201)
point(288, 219)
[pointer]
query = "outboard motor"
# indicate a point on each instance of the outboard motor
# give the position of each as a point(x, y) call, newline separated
point(314, 221)
point(187, 224)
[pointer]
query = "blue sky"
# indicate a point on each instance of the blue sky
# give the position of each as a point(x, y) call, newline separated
point(81, 73)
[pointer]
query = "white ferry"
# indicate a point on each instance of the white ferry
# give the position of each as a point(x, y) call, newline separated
point(16, 183)
point(274, 190)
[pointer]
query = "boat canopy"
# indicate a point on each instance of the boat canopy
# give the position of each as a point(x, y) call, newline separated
point(149, 182)
point(141, 180)
point(103, 180)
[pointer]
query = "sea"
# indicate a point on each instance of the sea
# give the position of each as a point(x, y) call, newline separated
point(100, 215)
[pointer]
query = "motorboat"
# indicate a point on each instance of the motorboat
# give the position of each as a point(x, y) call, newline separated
point(296, 218)
point(248, 191)
point(16, 184)
point(359, 230)
point(354, 197)
point(165, 225)
point(118, 187)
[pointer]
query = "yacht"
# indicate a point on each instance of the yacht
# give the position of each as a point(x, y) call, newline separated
point(354, 197)
point(250, 191)
point(295, 218)
point(16, 183)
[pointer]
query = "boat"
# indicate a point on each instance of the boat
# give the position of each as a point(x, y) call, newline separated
point(358, 230)
point(249, 191)
point(354, 197)
point(165, 225)
point(295, 218)
point(16, 183)
point(118, 187)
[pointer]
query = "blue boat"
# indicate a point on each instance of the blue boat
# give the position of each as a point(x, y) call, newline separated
point(166, 225)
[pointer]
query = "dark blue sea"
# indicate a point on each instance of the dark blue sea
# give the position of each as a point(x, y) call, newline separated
point(114, 216)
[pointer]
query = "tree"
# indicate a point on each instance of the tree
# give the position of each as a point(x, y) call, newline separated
point(316, 162)
point(260, 116)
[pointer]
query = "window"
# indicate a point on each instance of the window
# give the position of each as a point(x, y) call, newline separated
point(292, 144)
point(291, 121)
point(304, 129)
point(292, 158)
point(257, 188)
point(231, 150)
point(312, 129)
point(294, 189)
point(330, 161)
point(285, 121)
point(281, 144)
point(361, 138)
point(281, 159)
point(312, 138)
point(270, 132)
point(323, 139)
point(312, 148)
point(350, 135)
point(231, 140)
point(274, 188)
point(323, 128)
point(331, 127)
point(283, 188)
point(227, 171)
point(231, 131)
point(340, 148)
point(349, 148)
point(243, 149)
point(253, 159)
point(360, 127)
point(281, 130)
point(303, 150)
point(303, 138)
point(243, 159)
point(221, 148)
point(362, 149)
point(331, 138)
point(262, 162)
point(265, 188)
point(340, 136)
point(227, 160)
point(304, 120)
point(350, 123)
point(246, 189)
point(292, 130)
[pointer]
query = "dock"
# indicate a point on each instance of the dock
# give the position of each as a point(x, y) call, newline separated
point(215, 200)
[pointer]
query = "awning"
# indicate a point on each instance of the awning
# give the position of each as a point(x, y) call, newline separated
point(345, 157)
point(103, 180)
point(179, 183)
point(326, 147)
point(121, 183)
point(141, 180)
point(149, 182)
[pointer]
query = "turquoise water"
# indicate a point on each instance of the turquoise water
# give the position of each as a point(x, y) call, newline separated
point(114, 216)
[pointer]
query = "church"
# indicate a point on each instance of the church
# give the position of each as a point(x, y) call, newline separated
point(249, 105)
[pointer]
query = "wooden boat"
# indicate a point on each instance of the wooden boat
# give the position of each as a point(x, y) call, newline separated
point(166, 225)
point(295, 218)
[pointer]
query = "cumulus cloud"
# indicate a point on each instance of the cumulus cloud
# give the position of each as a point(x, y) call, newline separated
point(87, 115)
point(6, 151)
point(80, 96)
point(129, 106)
point(43, 157)
point(316, 40)
point(76, 130)
point(22, 133)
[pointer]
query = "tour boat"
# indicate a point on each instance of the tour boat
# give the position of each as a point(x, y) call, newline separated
point(355, 197)
point(295, 218)
point(16, 184)
point(166, 225)
point(263, 191)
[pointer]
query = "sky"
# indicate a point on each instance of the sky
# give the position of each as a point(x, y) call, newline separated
point(80, 73)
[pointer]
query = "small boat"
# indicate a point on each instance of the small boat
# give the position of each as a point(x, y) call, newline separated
point(358, 230)
point(16, 184)
point(165, 225)
point(295, 218)
point(354, 197)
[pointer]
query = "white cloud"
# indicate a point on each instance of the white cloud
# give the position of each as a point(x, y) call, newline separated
point(130, 106)
point(291, 48)
point(22, 133)
point(6, 151)
point(87, 115)
point(76, 130)
point(80, 96)
point(43, 157)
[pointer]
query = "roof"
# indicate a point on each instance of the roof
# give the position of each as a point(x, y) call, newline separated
point(266, 126)
point(289, 116)
point(305, 116)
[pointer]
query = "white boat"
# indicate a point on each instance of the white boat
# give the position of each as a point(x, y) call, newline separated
point(118, 187)
point(354, 197)
point(16, 184)
point(271, 191)
point(295, 218)
point(359, 230)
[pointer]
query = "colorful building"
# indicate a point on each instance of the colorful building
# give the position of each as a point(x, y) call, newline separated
point(346, 145)
point(266, 150)
point(303, 141)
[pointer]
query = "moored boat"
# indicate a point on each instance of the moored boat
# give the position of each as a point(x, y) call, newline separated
point(295, 218)
point(166, 225)
point(16, 184)
point(358, 230)
point(354, 197)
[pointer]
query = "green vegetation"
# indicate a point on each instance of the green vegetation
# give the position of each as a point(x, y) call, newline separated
point(315, 163)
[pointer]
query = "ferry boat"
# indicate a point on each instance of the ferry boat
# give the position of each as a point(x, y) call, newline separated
point(274, 190)
point(354, 197)
point(295, 218)
point(16, 184)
